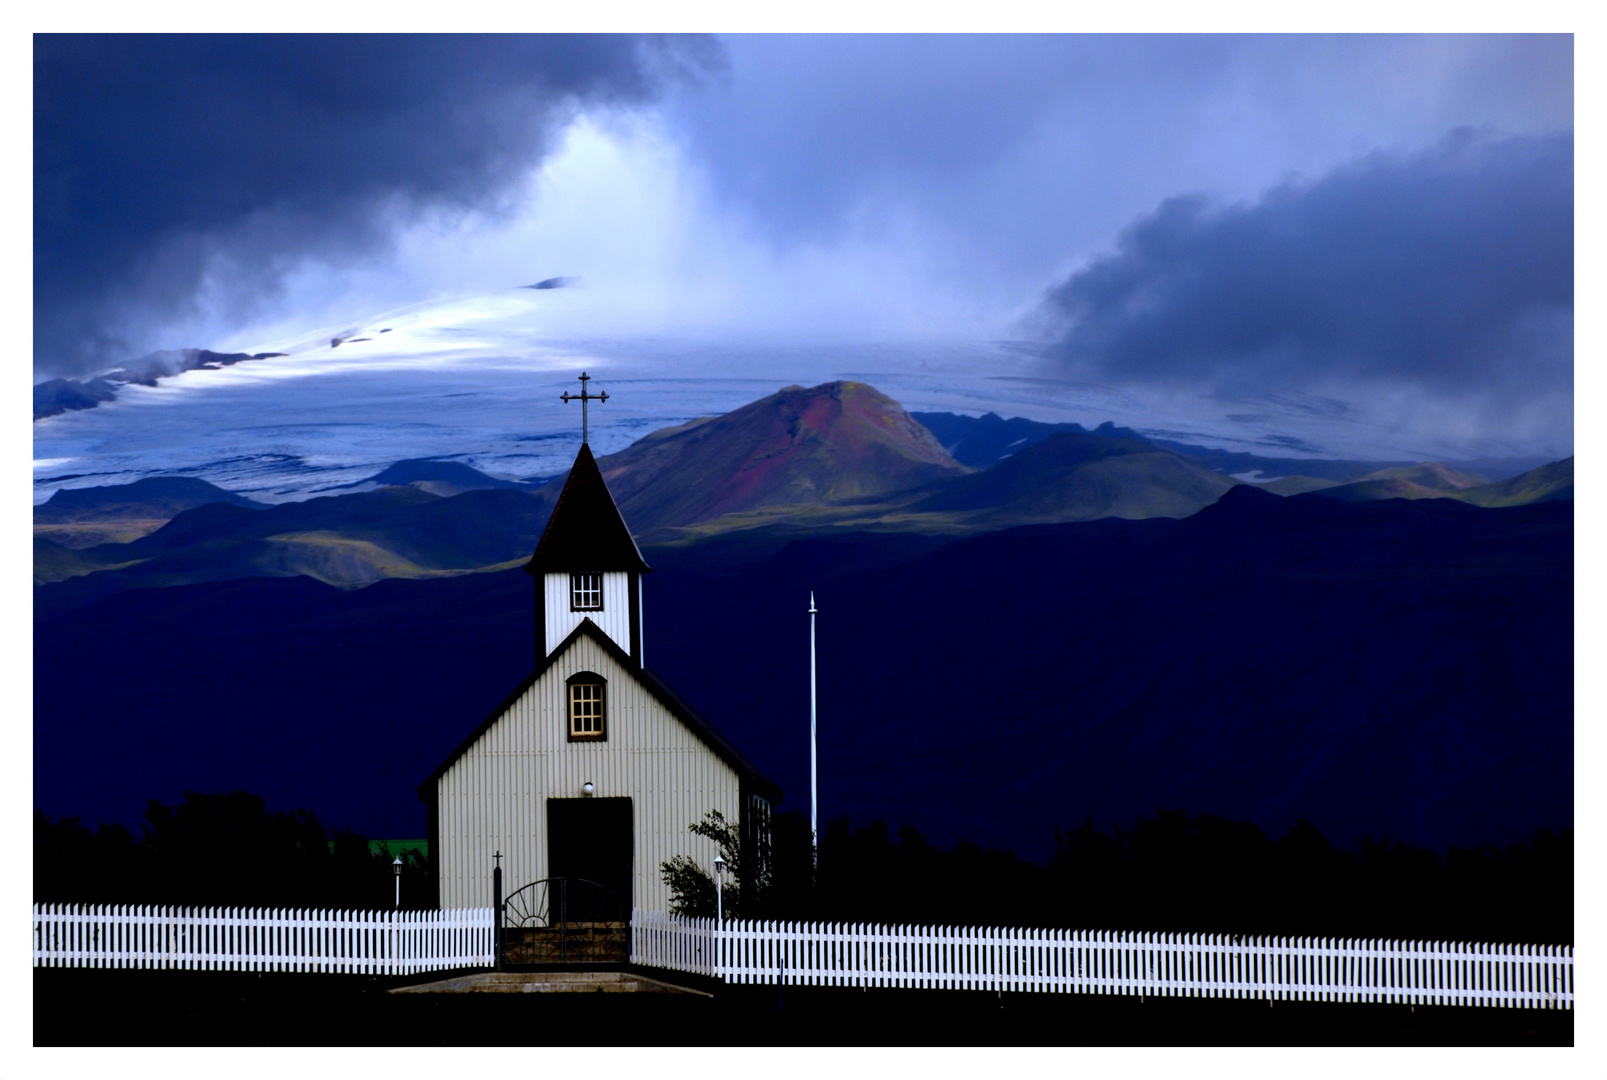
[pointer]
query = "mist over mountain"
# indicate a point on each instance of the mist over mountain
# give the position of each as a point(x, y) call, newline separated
point(55, 396)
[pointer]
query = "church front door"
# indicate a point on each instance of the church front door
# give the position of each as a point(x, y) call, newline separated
point(591, 839)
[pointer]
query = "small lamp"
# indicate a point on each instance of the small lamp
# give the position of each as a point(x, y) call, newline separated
point(719, 888)
point(397, 866)
point(588, 788)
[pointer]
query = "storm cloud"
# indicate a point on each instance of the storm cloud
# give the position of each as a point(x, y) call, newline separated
point(164, 161)
point(1449, 270)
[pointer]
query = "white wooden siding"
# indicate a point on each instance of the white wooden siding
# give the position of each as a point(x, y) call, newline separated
point(614, 620)
point(494, 797)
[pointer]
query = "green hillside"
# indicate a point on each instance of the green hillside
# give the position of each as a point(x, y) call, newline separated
point(1078, 476)
point(1431, 480)
point(1552, 481)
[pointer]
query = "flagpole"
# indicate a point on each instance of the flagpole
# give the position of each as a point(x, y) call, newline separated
point(814, 832)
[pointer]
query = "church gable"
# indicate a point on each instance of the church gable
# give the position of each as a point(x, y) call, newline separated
point(495, 792)
point(635, 720)
point(589, 644)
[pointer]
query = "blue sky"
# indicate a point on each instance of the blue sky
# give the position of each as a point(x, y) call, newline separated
point(1381, 219)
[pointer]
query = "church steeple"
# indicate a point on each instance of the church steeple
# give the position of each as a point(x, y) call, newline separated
point(587, 566)
point(586, 527)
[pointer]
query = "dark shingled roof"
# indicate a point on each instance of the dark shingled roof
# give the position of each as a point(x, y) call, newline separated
point(586, 530)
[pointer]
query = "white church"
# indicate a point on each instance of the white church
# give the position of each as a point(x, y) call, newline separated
point(591, 768)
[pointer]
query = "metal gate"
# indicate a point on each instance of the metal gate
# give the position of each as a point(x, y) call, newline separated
point(563, 921)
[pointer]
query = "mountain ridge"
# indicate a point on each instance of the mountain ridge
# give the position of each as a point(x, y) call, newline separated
point(836, 458)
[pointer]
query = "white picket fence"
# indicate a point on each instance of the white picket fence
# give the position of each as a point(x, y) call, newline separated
point(830, 954)
point(256, 939)
point(1094, 962)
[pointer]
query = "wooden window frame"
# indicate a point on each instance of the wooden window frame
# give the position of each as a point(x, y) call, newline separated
point(575, 591)
point(586, 678)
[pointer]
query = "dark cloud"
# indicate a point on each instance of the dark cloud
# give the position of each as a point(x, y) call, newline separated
point(1450, 270)
point(154, 154)
point(1008, 154)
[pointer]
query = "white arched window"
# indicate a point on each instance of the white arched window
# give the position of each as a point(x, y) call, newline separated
point(588, 700)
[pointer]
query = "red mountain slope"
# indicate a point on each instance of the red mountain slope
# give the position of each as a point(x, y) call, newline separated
point(836, 442)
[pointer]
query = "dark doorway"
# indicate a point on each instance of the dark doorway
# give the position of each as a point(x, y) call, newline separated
point(592, 839)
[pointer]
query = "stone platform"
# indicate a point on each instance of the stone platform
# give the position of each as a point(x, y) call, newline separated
point(550, 982)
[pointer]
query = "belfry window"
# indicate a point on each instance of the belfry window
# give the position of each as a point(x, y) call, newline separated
point(585, 592)
point(586, 702)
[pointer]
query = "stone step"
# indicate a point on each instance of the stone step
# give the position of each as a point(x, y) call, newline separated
point(550, 982)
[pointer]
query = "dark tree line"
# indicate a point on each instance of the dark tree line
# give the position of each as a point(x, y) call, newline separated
point(1173, 872)
point(223, 850)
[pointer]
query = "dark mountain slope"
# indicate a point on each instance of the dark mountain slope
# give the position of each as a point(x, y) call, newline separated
point(1081, 476)
point(294, 689)
point(56, 396)
point(154, 497)
point(1434, 481)
point(118, 513)
point(1551, 481)
point(348, 540)
point(1429, 480)
point(443, 478)
point(54, 562)
point(983, 441)
point(1392, 668)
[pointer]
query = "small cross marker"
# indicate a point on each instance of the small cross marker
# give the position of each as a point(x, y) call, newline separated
point(583, 397)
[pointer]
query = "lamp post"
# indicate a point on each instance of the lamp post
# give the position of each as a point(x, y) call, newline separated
point(719, 889)
point(397, 866)
point(814, 834)
point(719, 912)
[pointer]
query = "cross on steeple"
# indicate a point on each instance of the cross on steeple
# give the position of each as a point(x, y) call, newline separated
point(583, 397)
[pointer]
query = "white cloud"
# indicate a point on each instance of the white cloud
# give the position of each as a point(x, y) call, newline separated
point(621, 206)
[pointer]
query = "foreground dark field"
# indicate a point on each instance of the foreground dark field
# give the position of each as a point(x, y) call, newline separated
point(181, 1008)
